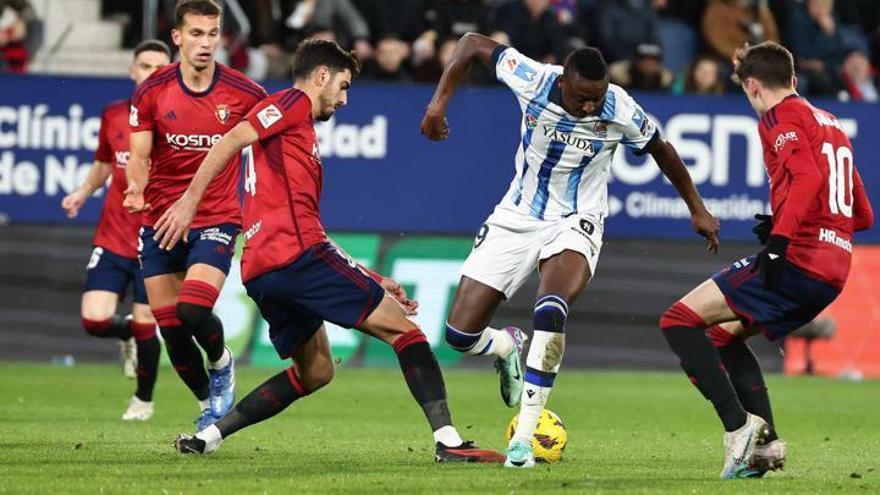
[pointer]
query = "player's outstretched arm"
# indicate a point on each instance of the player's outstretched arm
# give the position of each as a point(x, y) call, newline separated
point(673, 168)
point(174, 224)
point(137, 170)
point(98, 174)
point(471, 46)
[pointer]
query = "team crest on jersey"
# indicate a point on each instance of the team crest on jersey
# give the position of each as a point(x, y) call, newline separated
point(531, 121)
point(222, 113)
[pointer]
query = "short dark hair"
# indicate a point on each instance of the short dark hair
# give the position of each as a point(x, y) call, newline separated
point(314, 53)
point(198, 7)
point(586, 62)
point(770, 63)
point(152, 46)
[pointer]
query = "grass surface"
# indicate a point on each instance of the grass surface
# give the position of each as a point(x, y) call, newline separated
point(628, 433)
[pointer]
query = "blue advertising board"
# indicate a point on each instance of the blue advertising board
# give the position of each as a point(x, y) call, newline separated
point(381, 175)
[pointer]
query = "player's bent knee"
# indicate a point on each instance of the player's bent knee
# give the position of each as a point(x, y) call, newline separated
point(550, 313)
point(96, 327)
point(680, 315)
point(198, 293)
point(721, 337)
point(192, 315)
point(166, 317)
point(315, 379)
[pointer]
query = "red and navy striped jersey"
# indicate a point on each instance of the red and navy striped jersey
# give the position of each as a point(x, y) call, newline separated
point(117, 228)
point(282, 185)
point(185, 125)
point(816, 194)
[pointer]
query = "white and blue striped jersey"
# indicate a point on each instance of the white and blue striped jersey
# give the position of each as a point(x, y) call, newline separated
point(563, 163)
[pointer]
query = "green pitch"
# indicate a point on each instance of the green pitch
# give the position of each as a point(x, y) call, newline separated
point(628, 433)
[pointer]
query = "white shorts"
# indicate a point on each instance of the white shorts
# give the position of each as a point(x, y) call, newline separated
point(510, 245)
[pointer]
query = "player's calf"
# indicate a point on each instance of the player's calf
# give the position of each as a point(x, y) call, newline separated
point(183, 353)
point(270, 398)
point(542, 362)
point(684, 330)
point(424, 379)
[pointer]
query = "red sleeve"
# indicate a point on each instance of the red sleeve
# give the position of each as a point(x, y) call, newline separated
point(792, 149)
point(863, 214)
point(140, 116)
point(104, 153)
point(279, 112)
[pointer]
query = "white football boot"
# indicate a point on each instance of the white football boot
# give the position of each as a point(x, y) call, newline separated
point(138, 410)
point(739, 446)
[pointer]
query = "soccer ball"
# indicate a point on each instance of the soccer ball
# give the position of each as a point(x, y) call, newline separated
point(550, 436)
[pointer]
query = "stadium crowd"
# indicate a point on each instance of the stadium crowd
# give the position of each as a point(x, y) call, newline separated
point(680, 46)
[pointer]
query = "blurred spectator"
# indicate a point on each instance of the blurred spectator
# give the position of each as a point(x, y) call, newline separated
point(623, 25)
point(690, 11)
point(446, 19)
point(645, 72)
point(282, 24)
point(15, 16)
point(387, 65)
point(532, 28)
point(859, 79)
point(818, 46)
point(404, 18)
point(730, 24)
point(704, 76)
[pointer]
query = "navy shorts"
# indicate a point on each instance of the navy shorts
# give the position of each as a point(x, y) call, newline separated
point(798, 301)
point(321, 284)
point(109, 271)
point(213, 246)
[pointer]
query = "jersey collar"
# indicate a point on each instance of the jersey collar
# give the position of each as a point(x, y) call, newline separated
point(195, 94)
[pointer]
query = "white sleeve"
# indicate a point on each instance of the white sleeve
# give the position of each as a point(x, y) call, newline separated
point(638, 127)
point(522, 75)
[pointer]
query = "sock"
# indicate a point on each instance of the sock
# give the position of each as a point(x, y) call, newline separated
point(267, 400)
point(221, 363)
point(683, 330)
point(488, 341)
point(542, 363)
point(148, 350)
point(194, 305)
point(115, 327)
point(448, 436)
point(183, 352)
point(423, 377)
point(745, 374)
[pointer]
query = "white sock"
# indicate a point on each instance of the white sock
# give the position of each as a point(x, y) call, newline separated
point(210, 434)
point(204, 404)
point(542, 364)
point(493, 342)
point(223, 361)
point(448, 436)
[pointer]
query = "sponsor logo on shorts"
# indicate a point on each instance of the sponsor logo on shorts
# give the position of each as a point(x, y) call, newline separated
point(214, 234)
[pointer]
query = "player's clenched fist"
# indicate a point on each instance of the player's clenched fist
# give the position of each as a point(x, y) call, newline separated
point(72, 203)
point(434, 125)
